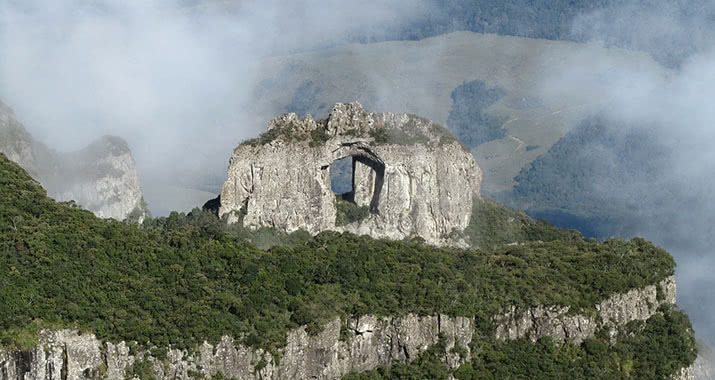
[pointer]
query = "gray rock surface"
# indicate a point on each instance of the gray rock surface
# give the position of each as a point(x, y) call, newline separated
point(371, 342)
point(364, 344)
point(687, 373)
point(101, 177)
point(558, 323)
point(413, 175)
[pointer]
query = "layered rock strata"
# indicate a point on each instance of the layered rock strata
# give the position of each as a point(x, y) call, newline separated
point(412, 175)
point(359, 344)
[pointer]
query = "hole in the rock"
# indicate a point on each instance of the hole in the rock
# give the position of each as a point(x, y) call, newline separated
point(341, 177)
point(343, 180)
point(342, 174)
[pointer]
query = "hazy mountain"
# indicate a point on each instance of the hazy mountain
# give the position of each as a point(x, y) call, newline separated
point(101, 177)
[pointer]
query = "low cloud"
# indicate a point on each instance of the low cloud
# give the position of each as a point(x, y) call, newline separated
point(174, 78)
point(673, 101)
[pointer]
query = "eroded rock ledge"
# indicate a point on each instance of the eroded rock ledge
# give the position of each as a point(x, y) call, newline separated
point(562, 325)
point(367, 343)
point(412, 174)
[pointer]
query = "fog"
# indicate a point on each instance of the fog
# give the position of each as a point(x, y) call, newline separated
point(173, 78)
point(676, 106)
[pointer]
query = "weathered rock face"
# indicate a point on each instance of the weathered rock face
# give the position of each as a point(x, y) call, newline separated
point(414, 177)
point(370, 343)
point(558, 323)
point(688, 373)
point(15, 142)
point(101, 177)
point(364, 344)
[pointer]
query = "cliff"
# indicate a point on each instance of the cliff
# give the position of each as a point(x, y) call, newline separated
point(410, 176)
point(356, 345)
point(101, 177)
point(562, 325)
point(184, 297)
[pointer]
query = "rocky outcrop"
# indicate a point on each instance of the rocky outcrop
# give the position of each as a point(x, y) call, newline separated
point(101, 177)
point(562, 325)
point(368, 343)
point(359, 344)
point(412, 175)
point(64, 354)
point(687, 373)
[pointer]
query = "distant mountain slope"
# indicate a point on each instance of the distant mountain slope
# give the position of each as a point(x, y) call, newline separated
point(600, 178)
point(101, 177)
point(625, 24)
point(617, 23)
point(440, 77)
point(611, 178)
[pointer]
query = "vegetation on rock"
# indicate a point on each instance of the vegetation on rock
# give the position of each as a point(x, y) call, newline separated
point(410, 133)
point(184, 279)
point(348, 212)
point(652, 350)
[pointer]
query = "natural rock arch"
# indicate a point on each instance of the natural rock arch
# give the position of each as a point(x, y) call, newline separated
point(361, 152)
point(413, 175)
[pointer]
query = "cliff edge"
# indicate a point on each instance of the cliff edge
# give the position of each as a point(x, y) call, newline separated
point(89, 298)
point(341, 347)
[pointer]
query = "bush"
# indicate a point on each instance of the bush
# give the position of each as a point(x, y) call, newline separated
point(348, 212)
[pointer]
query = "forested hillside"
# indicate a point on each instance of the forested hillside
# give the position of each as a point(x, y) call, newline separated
point(468, 119)
point(187, 278)
point(603, 178)
point(560, 20)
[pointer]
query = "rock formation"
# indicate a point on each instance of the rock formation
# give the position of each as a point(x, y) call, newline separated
point(412, 176)
point(364, 344)
point(101, 177)
point(562, 325)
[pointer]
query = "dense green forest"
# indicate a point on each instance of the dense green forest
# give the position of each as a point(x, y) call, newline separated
point(527, 18)
point(187, 278)
point(559, 20)
point(468, 119)
point(653, 350)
